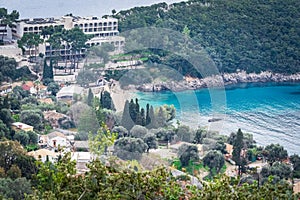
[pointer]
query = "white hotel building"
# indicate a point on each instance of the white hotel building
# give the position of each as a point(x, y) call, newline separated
point(103, 29)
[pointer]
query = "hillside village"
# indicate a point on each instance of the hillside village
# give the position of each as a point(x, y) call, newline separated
point(71, 102)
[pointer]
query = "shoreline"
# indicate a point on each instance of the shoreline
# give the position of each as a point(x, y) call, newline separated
point(226, 79)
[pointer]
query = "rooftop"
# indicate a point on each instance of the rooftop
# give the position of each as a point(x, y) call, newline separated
point(42, 153)
point(21, 125)
point(56, 134)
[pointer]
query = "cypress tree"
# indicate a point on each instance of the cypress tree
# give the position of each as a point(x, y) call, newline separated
point(47, 72)
point(90, 97)
point(126, 118)
point(106, 101)
point(152, 119)
point(50, 69)
point(142, 115)
point(238, 145)
point(148, 119)
point(132, 110)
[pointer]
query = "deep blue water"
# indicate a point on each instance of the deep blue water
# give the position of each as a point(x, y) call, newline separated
point(271, 112)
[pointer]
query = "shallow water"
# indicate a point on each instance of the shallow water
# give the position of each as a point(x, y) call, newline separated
point(270, 111)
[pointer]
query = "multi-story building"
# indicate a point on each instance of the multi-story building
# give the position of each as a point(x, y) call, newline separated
point(99, 27)
point(7, 34)
point(103, 30)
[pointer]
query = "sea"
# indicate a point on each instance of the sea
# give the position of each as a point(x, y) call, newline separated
point(269, 111)
point(58, 8)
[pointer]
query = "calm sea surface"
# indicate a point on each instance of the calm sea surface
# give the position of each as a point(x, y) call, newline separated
point(58, 8)
point(271, 112)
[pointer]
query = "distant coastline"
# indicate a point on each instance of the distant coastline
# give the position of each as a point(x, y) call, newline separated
point(226, 79)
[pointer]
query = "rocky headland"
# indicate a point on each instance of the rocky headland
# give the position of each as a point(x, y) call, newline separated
point(189, 83)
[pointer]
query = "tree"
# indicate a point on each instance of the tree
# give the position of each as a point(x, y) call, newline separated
point(161, 118)
point(121, 131)
point(102, 52)
point(33, 118)
point(90, 97)
point(295, 160)
point(281, 170)
point(12, 153)
point(53, 88)
point(184, 134)
point(152, 118)
point(238, 145)
point(76, 111)
point(187, 153)
point(15, 189)
point(106, 101)
point(14, 172)
point(19, 93)
point(4, 131)
point(199, 136)
point(76, 39)
point(47, 72)
point(275, 152)
point(151, 141)
point(85, 77)
point(127, 121)
point(214, 160)
point(148, 119)
point(130, 148)
point(142, 117)
point(99, 142)
point(22, 137)
point(138, 131)
point(88, 122)
point(29, 41)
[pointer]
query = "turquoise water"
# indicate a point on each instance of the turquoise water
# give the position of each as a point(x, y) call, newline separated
point(271, 112)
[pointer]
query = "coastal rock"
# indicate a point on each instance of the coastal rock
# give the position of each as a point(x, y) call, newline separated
point(190, 83)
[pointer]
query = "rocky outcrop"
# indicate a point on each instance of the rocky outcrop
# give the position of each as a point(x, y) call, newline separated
point(218, 81)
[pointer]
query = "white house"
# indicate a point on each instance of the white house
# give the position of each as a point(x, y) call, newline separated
point(43, 155)
point(67, 92)
point(57, 139)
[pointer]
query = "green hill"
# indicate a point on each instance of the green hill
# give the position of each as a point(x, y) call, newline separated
point(251, 35)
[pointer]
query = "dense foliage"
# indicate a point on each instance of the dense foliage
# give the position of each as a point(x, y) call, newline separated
point(59, 181)
point(9, 70)
point(249, 35)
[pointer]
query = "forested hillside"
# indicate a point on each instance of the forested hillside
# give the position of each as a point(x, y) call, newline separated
point(251, 35)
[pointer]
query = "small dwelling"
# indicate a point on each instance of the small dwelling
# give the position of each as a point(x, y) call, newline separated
point(57, 139)
point(66, 93)
point(21, 126)
point(43, 155)
point(82, 159)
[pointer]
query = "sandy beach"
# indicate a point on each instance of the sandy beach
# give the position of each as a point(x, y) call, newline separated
point(119, 96)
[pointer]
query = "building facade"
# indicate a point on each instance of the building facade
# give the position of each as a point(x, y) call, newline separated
point(102, 29)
